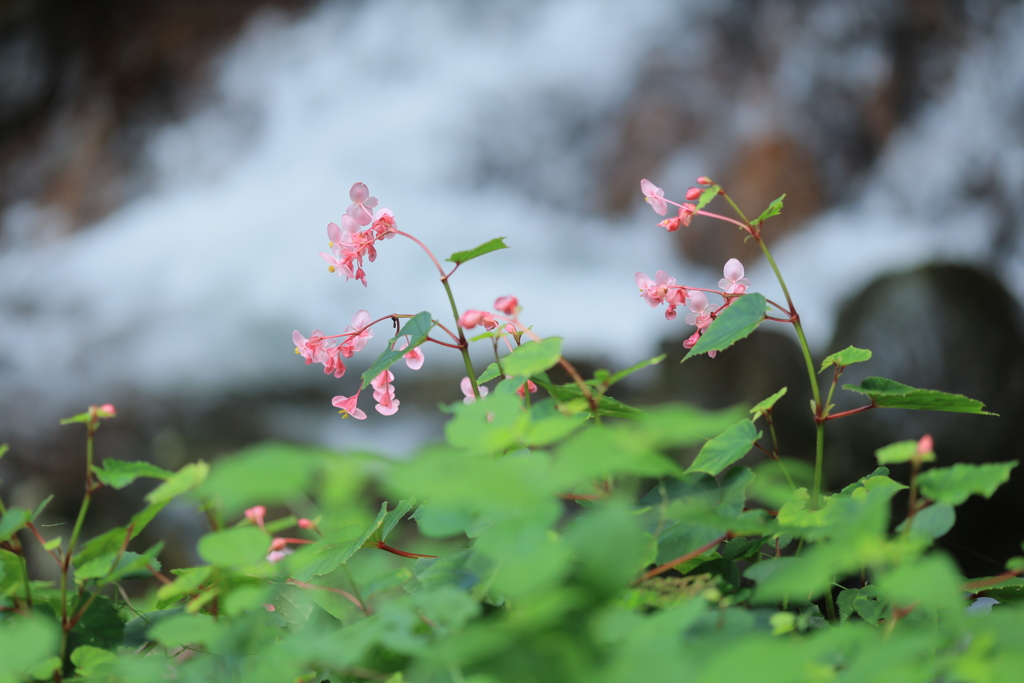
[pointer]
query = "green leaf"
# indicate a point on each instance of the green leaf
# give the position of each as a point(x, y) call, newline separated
point(25, 643)
point(267, 473)
point(706, 196)
point(392, 518)
point(100, 626)
point(89, 659)
point(734, 323)
point(119, 473)
point(902, 451)
point(3, 449)
point(187, 629)
point(240, 546)
point(954, 485)
point(766, 405)
point(848, 356)
point(726, 448)
point(326, 556)
point(185, 479)
point(887, 393)
point(622, 374)
point(417, 328)
point(461, 257)
point(774, 209)
point(42, 506)
point(12, 573)
point(13, 520)
point(532, 357)
point(934, 521)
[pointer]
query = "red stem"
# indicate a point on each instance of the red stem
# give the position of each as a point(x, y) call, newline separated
point(680, 560)
point(395, 551)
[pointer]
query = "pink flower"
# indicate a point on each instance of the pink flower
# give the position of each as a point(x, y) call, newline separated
point(655, 291)
point(682, 217)
point(925, 445)
point(699, 314)
point(734, 282)
point(692, 341)
point(414, 358)
point(384, 393)
point(507, 304)
point(362, 204)
point(693, 194)
point(384, 224)
point(256, 514)
point(655, 196)
point(311, 349)
point(356, 342)
point(333, 363)
point(524, 387)
point(467, 391)
point(471, 319)
point(348, 406)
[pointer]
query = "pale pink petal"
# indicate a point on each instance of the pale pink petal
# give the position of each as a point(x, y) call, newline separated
point(655, 196)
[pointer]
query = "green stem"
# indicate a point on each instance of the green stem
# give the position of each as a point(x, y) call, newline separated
point(73, 541)
point(463, 344)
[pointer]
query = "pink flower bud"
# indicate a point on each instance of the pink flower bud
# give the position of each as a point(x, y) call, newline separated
point(507, 304)
point(704, 180)
point(471, 319)
point(693, 193)
point(278, 544)
point(256, 514)
point(925, 445)
point(306, 523)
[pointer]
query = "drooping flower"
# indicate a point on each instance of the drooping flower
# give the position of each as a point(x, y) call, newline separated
point(655, 196)
point(682, 217)
point(347, 404)
point(655, 291)
point(467, 391)
point(733, 282)
point(384, 393)
point(256, 515)
point(472, 318)
point(414, 357)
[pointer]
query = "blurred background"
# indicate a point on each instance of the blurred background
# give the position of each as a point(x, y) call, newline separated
point(168, 169)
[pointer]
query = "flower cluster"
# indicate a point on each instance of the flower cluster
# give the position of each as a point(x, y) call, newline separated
point(327, 350)
point(349, 242)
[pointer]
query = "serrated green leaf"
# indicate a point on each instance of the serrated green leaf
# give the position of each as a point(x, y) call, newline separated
point(955, 484)
point(326, 556)
point(887, 393)
point(185, 479)
point(726, 448)
point(417, 328)
point(236, 547)
point(532, 357)
point(774, 209)
point(902, 451)
point(461, 257)
point(13, 520)
point(768, 403)
point(489, 373)
point(736, 322)
point(119, 473)
point(848, 356)
point(392, 518)
point(706, 196)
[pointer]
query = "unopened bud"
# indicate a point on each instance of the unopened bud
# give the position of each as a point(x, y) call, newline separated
point(471, 319)
point(693, 193)
point(925, 445)
point(278, 544)
point(704, 180)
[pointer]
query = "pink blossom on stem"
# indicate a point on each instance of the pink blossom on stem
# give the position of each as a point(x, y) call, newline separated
point(733, 282)
point(925, 445)
point(507, 304)
point(704, 180)
point(356, 342)
point(384, 393)
point(699, 314)
point(682, 217)
point(311, 349)
point(693, 194)
point(655, 196)
point(256, 514)
point(347, 404)
point(467, 391)
point(529, 385)
point(655, 291)
point(384, 224)
point(413, 358)
point(361, 209)
point(471, 319)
